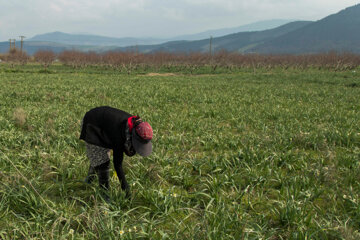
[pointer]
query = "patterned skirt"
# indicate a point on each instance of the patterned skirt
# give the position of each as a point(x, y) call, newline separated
point(97, 155)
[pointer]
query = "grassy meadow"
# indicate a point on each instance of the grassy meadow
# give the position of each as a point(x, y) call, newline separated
point(252, 154)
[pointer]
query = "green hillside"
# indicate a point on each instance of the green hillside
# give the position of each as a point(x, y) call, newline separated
point(232, 42)
point(339, 32)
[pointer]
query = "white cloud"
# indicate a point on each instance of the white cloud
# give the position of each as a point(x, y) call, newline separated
point(55, 8)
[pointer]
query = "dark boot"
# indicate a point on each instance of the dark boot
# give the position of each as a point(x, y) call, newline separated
point(102, 172)
point(91, 175)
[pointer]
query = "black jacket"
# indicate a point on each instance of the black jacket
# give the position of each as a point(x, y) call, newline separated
point(105, 127)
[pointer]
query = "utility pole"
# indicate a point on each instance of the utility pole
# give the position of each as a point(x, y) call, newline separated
point(14, 43)
point(210, 48)
point(22, 41)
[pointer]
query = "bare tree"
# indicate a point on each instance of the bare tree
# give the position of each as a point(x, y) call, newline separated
point(14, 56)
point(45, 57)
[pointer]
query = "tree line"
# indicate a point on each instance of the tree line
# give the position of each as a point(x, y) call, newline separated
point(132, 61)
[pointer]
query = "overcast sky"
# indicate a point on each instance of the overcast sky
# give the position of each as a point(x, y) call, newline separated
point(151, 18)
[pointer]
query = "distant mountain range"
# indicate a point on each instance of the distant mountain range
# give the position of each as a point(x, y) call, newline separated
point(95, 40)
point(59, 41)
point(337, 32)
point(92, 40)
point(237, 42)
point(257, 26)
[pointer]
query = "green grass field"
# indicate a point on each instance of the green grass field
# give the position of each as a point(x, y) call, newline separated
point(265, 154)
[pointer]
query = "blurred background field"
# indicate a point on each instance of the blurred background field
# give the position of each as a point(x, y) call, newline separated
point(253, 153)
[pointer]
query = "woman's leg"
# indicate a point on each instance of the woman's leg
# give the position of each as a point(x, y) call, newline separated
point(99, 164)
point(102, 172)
point(91, 175)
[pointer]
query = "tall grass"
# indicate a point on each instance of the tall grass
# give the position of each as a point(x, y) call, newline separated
point(270, 154)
